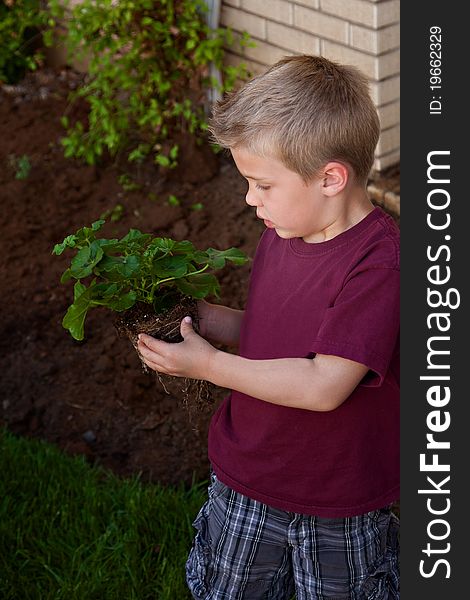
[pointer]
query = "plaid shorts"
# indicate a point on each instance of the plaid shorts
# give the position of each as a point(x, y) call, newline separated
point(246, 550)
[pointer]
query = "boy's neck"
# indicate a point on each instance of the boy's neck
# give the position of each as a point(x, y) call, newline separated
point(346, 210)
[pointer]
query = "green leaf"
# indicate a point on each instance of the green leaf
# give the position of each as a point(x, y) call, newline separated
point(97, 224)
point(48, 38)
point(124, 302)
point(201, 258)
point(198, 286)
point(166, 245)
point(69, 242)
point(66, 276)
point(170, 266)
point(74, 318)
point(124, 265)
point(135, 235)
point(173, 200)
point(136, 154)
point(183, 247)
point(232, 254)
point(162, 160)
point(86, 258)
point(86, 235)
point(78, 290)
point(105, 290)
point(110, 245)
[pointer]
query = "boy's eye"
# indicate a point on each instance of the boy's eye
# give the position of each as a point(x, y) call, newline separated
point(262, 187)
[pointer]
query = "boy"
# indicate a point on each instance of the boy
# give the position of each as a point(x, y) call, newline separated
point(305, 450)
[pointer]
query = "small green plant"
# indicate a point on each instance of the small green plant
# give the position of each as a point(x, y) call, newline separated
point(173, 200)
point(197, 206)
point(24, 167)
point(115, 214)
point(137, 268)
point(21, 165)
point(21, 22)
point(127, 183)
point(148, 72)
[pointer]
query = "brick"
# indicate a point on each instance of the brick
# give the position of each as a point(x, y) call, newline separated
point(373, 40)
point(275, 10)
point(383, 162)
point(385, 91)
point(389, 114)
point(320, 24)
point(342, 54)
point(388, 64)
point(364, 12)
point(292, 39)
point(389, 37)
point(363, 38)
point(265, 53)
point(357, 11)
point(243, 21)
point(375, 68)
point(389, 140)
point(387, 13)
point(309, 3)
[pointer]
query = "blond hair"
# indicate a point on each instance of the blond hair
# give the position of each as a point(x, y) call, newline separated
point(304, 111)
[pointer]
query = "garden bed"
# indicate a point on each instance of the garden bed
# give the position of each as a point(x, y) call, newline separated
point(92, 397)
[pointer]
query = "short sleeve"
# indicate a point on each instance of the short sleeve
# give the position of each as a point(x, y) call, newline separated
point(363, 323)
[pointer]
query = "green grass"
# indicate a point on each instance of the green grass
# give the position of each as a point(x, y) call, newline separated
point(75, 532)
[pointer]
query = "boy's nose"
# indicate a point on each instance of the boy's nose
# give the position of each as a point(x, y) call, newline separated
point(251, 199)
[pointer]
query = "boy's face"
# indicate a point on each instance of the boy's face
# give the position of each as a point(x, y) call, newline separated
point(282, 199)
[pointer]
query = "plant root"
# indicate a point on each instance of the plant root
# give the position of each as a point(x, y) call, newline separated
point(141, 318)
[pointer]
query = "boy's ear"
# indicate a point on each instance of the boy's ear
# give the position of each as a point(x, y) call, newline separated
point(334, 176)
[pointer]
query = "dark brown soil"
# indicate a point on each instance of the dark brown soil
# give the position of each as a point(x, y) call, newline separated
point(165, 326)
point(92, 397)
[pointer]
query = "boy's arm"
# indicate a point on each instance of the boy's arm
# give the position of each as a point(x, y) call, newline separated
point(220, 323)
point(320, 384)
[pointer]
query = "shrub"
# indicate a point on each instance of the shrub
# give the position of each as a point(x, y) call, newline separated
point(21, 22)
point(148, 72)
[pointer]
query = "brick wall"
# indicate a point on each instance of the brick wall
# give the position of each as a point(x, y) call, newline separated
point(364, 33)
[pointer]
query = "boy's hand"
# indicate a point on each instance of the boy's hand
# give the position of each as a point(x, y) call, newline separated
point(189, 358)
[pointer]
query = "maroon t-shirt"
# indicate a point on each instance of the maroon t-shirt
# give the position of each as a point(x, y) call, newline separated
point(338, 297)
